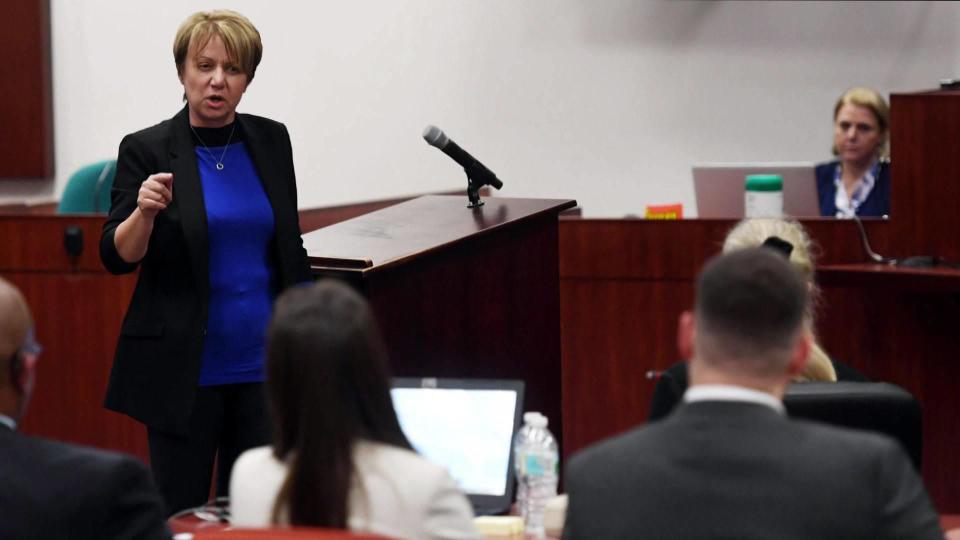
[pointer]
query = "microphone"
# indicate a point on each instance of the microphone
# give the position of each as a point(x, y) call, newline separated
point(916, 261)
point(477, 173)
point(874, 256)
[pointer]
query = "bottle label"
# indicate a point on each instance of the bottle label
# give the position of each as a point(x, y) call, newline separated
point(534, 465)
point(763, 204)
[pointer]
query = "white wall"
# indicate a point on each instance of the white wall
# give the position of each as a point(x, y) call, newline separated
point(606, 101)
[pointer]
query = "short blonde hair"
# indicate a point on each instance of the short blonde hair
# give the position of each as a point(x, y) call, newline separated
point(868, 98)
point(240, 38)
point(752, 233)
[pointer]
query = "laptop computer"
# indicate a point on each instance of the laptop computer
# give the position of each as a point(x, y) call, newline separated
point(467, 426)
point(719, 188)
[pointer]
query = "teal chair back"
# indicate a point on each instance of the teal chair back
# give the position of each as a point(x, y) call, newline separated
point(88, 190)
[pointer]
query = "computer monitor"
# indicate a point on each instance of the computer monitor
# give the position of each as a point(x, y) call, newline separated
point(467, 426)
point(719, 188)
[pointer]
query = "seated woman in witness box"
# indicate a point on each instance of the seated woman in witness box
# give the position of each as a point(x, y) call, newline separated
point(858, 181)
point(339, 458)
point(788, 238)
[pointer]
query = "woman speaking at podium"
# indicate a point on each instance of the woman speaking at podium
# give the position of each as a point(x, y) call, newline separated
point(857, 183)
point(205, 205)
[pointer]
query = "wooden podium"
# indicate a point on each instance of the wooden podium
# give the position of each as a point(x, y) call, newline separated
point(459, 292)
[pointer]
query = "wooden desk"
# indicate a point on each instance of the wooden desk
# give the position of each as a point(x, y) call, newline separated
point(939, 279)
point(901, 325)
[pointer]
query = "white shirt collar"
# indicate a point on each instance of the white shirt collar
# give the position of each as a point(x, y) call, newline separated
point(847, 205)
point(725, 392)
point(9, 422)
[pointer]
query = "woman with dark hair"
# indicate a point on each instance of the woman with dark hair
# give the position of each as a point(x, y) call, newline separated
point(339, 458)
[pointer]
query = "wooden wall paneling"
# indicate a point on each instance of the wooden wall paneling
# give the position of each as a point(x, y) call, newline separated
point(624, 284)
point(925, 166)
point(484, 309)
point(77, 308)
point(637, 249)
point(613, 332)
point(908, 338)
point(612, 248)
point(838, 241)
point(78, 316)
point(26, 110)
point(35, 243)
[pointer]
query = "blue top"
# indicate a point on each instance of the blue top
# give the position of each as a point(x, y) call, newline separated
point(877, 202)
point(239, 229)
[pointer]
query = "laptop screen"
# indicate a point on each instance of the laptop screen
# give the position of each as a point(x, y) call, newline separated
point(466, 426)
point(719, 188)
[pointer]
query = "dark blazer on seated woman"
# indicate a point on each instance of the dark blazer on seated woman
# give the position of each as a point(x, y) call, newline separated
point(877, 202)
point(673, 383)
point(158, 358)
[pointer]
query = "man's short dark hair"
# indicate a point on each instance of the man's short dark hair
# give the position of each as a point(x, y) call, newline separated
point(749, 309)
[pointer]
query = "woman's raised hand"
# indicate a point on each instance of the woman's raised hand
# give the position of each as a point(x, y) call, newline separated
point(155, 194)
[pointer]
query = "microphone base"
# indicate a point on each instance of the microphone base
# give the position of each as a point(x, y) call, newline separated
point(473, 192)
point(925, 261)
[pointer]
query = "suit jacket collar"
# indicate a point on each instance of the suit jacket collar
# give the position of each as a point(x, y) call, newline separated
point(716, 411)
point(267, 160)
point(188, 204)
point(723, 392)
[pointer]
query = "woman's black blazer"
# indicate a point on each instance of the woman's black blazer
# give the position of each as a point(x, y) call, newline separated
point(157, 362)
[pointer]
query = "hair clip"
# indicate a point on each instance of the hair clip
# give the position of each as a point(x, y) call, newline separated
point(779, 245)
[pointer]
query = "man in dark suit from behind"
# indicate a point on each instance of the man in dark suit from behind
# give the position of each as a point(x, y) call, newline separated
point(728, 463)
point(52, 490)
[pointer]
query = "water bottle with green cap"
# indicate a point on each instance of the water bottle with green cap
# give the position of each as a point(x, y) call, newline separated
point(763, 196)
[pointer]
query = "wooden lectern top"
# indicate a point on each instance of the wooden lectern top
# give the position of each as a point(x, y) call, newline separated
point(415, 227)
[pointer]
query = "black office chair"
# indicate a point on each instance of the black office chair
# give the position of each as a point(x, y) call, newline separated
point(880, 407)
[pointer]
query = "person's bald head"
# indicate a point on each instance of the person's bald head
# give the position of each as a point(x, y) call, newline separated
point(15, 323)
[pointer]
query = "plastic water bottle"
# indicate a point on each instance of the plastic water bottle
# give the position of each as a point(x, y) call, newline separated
point(518, 441)
point(535, 461)
point(763, 196)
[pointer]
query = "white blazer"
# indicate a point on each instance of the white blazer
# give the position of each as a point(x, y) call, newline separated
point(395, 493)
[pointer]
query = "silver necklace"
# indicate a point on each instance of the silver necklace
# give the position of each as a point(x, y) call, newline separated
point(219, 162)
